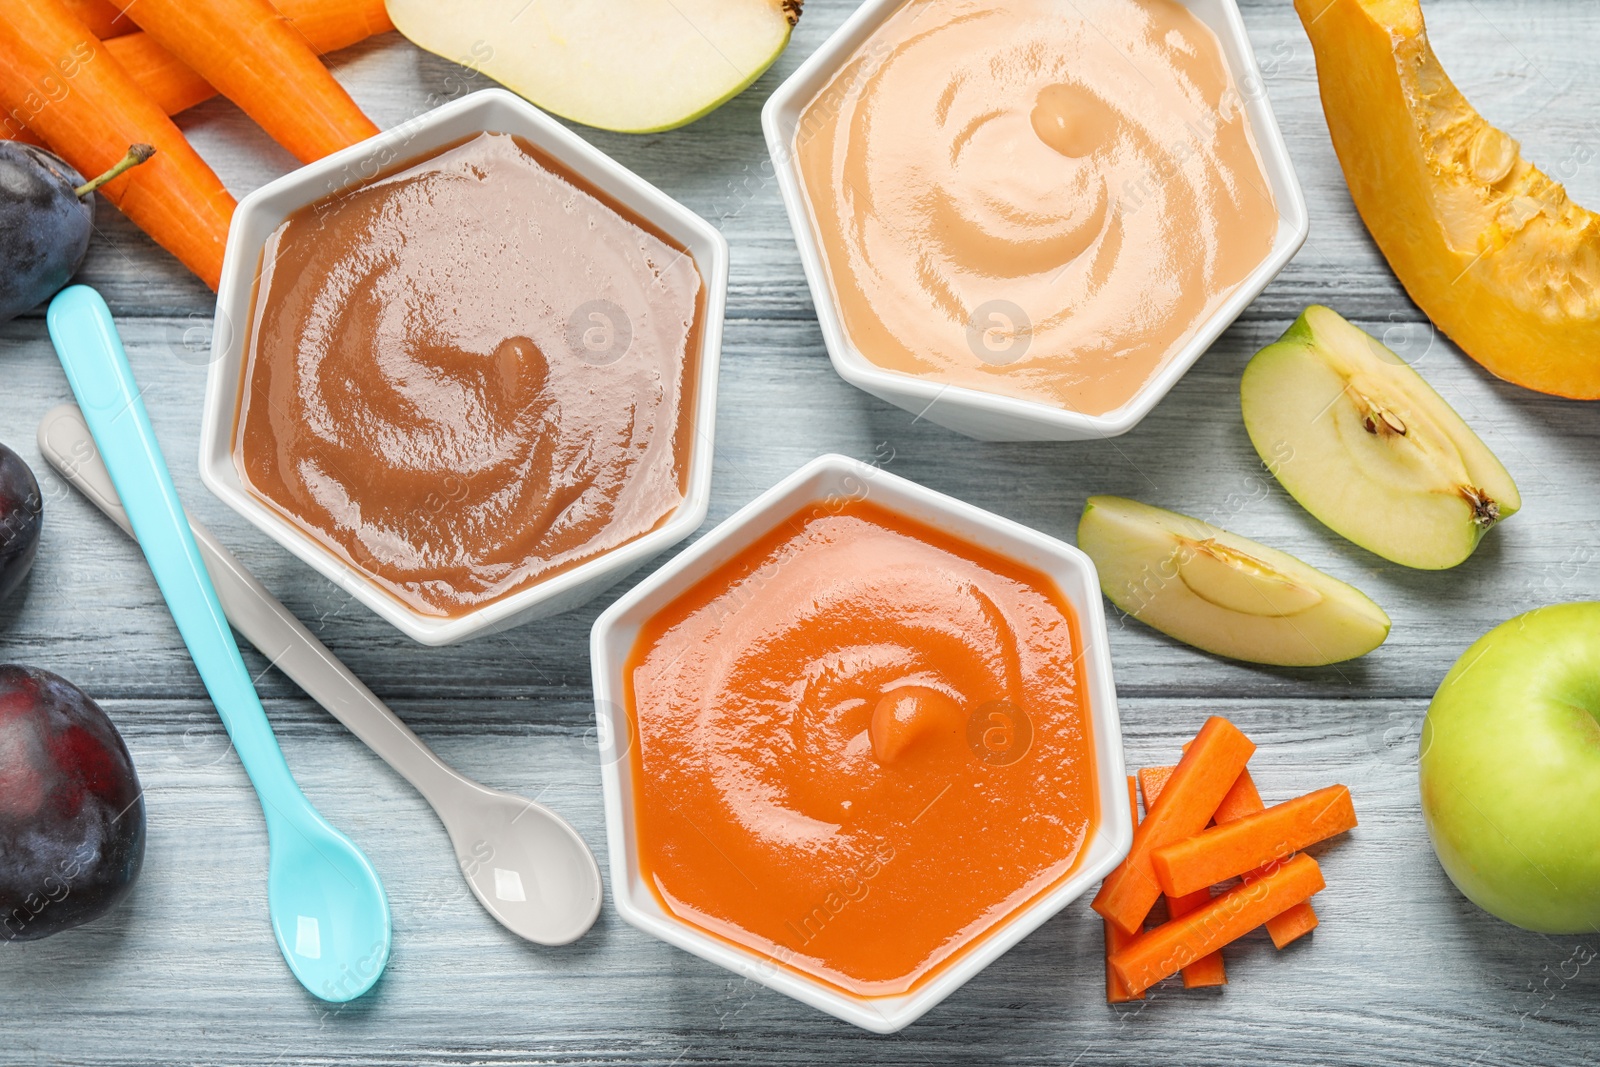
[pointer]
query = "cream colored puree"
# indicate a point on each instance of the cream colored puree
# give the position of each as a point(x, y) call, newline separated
point(1089, 163)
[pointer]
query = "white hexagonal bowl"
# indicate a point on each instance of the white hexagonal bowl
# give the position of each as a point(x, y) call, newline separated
point(834, 477)
point(990, 416)
point(496, 111)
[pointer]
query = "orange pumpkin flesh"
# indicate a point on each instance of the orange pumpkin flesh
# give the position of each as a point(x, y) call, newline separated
point(1489, 247)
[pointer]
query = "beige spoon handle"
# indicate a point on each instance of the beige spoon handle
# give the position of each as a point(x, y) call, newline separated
point(67, 445)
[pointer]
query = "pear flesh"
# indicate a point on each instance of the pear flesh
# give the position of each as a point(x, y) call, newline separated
point(1224, 593)
point(1367, 447)
point(635, 66)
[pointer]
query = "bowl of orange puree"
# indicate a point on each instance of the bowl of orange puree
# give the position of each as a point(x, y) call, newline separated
point(1026, 219)
point(467, 368)
point(859, 741)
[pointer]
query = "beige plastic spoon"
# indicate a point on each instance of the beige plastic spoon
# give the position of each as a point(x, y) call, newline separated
point(525, 863)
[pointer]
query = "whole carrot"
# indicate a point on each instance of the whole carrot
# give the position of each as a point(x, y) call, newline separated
point(57, 80)
point(329, 25)
point(164, 77)
point(326, 26)
point(104, 19)
point(250, 53)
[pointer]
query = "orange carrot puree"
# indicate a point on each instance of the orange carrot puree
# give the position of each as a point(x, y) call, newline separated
point(861, 744)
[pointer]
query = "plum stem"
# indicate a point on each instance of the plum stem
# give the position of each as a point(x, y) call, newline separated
point(137, 154)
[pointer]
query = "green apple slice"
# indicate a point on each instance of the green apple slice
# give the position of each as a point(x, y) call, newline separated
point(636, 66)
point(1224, 593)
point(1367, 446)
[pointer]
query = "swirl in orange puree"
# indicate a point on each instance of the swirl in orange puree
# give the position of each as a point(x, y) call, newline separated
point(1040, 199)
point(861, 744)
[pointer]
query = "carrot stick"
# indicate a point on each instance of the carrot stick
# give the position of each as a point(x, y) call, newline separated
point(250, 53)
point(1208, 970)
point(57, 80)
point(1151, 781)
point(1243, 799)
point(1158, 953)
point(326, 27)
point(104, 19)
point(1116, 989)
point(1240, 800)
point(1240, 846)
point(1205, 773)
point(1293, 923)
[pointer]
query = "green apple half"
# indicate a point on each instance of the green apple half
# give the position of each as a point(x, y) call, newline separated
point(635, 66)
point(1510, 771)
point(1224, 593)
point(1367, 446)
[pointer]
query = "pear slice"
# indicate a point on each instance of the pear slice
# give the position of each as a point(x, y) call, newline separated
point(635, 66)
point(1224, 593)
point(1367, 446)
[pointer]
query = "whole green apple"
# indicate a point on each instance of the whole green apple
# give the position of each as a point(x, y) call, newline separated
point(1510, 771)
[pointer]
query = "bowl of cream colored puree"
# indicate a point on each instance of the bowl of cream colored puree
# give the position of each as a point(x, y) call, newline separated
point(1026, 221)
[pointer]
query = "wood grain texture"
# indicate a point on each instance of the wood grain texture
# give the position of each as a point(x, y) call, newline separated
point(1402, 969)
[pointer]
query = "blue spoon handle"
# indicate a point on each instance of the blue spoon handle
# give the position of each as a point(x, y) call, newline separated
point(91, 352)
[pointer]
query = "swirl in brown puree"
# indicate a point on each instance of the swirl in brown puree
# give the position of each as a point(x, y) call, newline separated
point(470, 375)
point(1032, 198)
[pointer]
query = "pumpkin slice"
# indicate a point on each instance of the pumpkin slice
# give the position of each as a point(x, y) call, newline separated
point(1224, 593)
point(1486, 244)
point(1367, 446)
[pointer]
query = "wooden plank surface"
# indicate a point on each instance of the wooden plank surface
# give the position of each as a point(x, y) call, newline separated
point(1403, 969)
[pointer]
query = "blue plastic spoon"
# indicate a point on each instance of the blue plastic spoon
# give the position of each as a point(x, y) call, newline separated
point(328, 909)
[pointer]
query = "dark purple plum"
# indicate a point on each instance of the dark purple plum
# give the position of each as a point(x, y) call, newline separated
point(46, 217)
point(21, 516)
point(44, 226)
point(71, 809)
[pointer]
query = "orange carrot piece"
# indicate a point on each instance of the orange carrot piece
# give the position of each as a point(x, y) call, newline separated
point(164, 77)
point(1292, 924)
point(1116, 989)
point(329, 25)
point(1243, 799)
point(1208, 970)
point(104, 19)
point(250, 53)
point(1163, 951)
point(57, 80)
point(1239, 847)
point(1151, 782)
point(326, 26)
point(1205, 773)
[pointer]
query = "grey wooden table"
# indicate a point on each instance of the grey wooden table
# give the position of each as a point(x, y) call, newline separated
point(1402, 970)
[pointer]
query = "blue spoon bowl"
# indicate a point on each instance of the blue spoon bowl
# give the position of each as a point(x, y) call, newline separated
point(329, 912)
